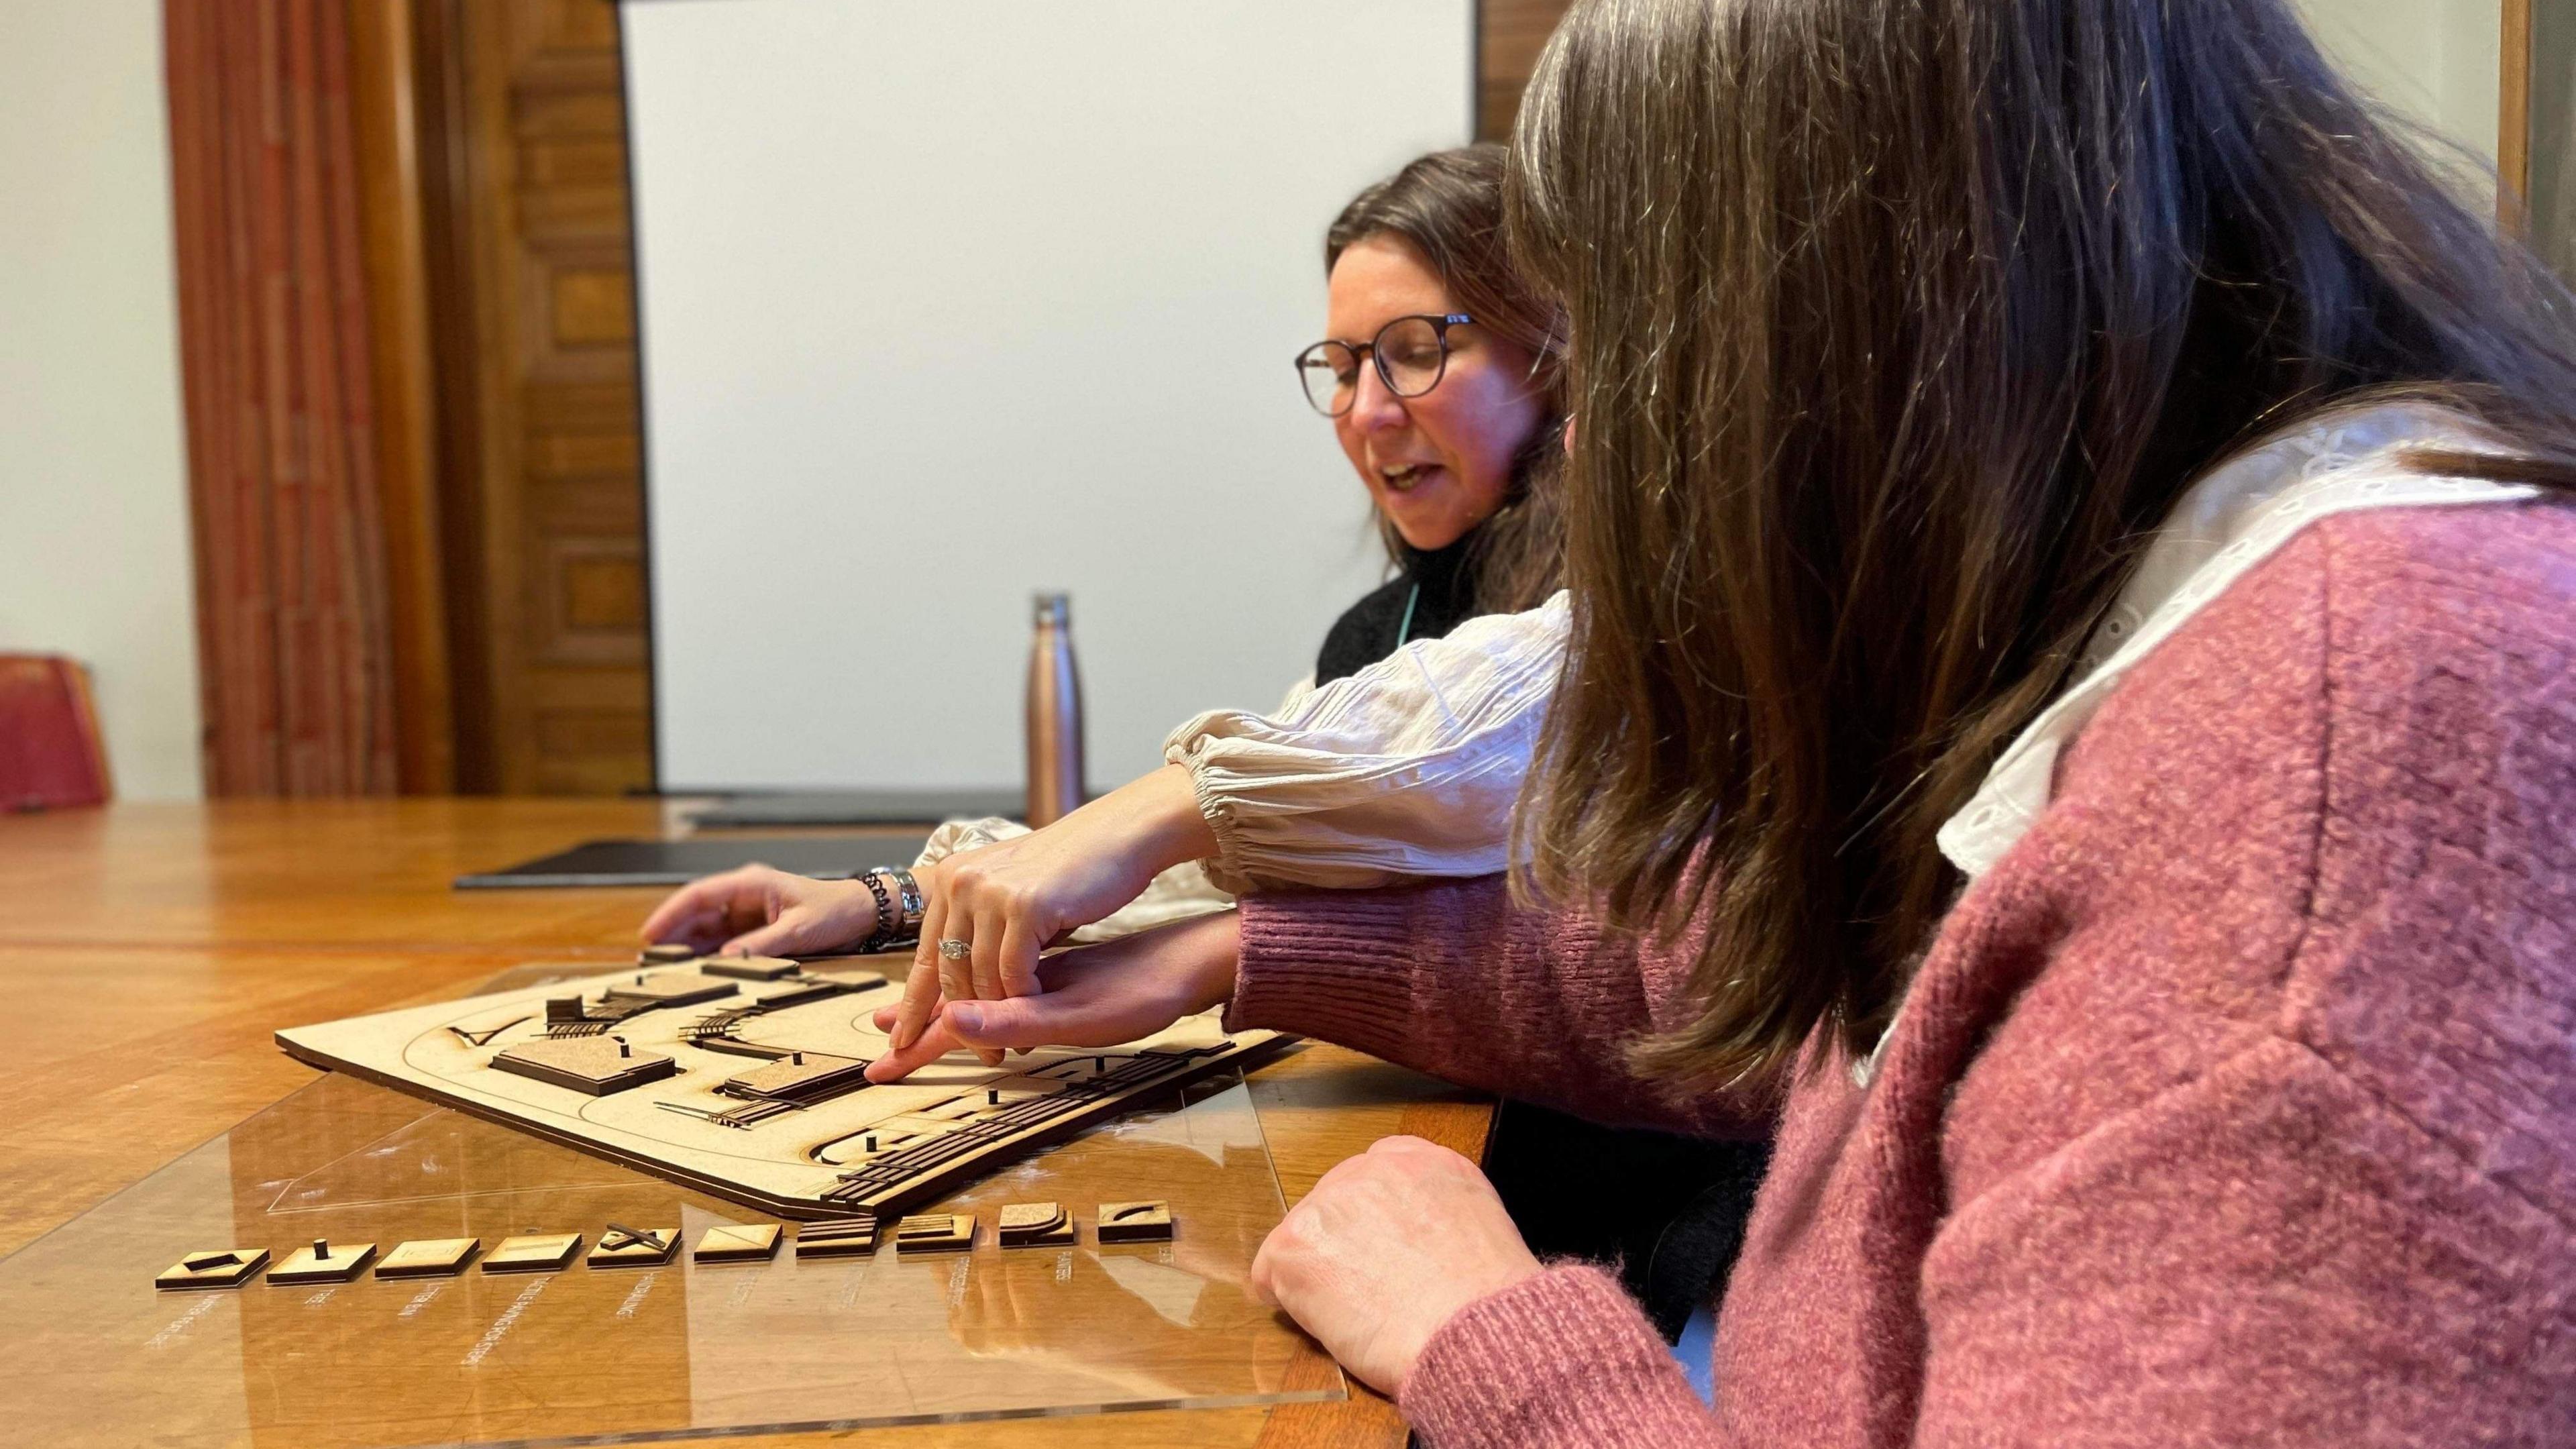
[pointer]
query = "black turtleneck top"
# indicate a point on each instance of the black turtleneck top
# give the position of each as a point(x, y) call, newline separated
point(1376, 626)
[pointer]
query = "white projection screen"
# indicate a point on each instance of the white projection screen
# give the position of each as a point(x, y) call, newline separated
point(942, 304)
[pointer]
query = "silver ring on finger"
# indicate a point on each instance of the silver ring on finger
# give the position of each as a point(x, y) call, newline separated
point(952, 949)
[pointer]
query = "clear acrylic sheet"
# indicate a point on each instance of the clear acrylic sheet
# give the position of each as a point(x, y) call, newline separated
point(100, 1357)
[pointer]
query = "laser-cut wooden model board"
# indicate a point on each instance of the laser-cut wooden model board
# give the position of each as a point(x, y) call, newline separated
point(743, 1077)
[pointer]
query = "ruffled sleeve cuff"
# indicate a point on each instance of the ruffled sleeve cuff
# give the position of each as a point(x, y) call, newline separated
point(1561, 1359)
point(1407, 769)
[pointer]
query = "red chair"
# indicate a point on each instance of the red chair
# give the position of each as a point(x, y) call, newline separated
point(51, 755)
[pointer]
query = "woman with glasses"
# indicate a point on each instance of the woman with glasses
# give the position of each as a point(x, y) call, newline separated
point(1441, 380)
point(2069, 706)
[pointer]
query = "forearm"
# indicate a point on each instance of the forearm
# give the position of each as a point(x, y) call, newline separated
point(1456, 980)
point(1159, 813)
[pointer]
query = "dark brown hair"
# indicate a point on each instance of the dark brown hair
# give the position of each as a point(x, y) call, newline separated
point(1897, 326)
point(1448, 206)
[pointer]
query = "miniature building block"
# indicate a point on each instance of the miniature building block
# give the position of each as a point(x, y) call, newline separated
point(1136, 1222)
point(837, 1238)
point(738, 1243)
point(533, 1253)
point(322, 1261)
point(802, 990)
point(798, 1076)
point(667, 988)
point(429, 1258)
point(221, 1268)
point(625, 1247)
point(935, 1233)
point(748, 968)
point(597, 1065)
point(1035, 1225)
point(665, 953)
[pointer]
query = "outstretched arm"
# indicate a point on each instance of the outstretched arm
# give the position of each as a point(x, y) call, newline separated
point(1407, 769)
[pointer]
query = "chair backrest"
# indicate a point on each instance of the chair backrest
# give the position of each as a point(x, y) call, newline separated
point(51, 753)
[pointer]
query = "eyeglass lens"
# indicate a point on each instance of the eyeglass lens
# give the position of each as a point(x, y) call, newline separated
point(1408, 353)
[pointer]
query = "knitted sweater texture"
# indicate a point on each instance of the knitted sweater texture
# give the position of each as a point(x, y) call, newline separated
point(2235, 1105)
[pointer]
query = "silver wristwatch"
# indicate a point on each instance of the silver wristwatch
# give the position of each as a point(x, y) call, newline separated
point(908, 897)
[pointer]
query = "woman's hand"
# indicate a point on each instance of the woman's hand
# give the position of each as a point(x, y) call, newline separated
point(1387, 1247)
point(761, 911)
point(1010, 899)
point(1090, 996)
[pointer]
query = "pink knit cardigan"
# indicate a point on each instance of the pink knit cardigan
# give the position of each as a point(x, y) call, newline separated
point(2236, 1105)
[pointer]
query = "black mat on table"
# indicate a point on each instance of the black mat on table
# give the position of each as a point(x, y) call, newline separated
point(858, 807)
point(674, 862)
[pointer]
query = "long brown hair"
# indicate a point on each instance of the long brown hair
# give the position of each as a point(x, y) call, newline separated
point(1448, 206)
point(1897, 326)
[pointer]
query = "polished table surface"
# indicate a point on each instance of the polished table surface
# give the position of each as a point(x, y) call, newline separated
point(148, 951)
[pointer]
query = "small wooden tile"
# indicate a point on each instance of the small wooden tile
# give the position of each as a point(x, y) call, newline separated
point(625, 1247)
point(667, 988)
point(748, 968)
point(935, 1233)
point(837, 1238)
point(738, 1243)
point(596, 1065)
point(322, 1261)
point(1136, 1222)
point(429, 1258)
point(797, 1077)
point(214, 1268)
point(665, 953)
point(533, 1253)
point(1035, 1225)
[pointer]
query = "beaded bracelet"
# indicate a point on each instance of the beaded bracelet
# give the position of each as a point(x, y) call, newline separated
point(880, 938)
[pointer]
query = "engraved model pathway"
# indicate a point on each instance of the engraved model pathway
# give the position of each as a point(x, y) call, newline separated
point(766, 1102)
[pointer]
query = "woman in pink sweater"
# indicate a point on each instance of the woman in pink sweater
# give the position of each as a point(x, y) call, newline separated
point(2068, 722)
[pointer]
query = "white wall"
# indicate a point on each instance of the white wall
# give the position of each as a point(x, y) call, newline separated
point(943, 304)
point(2437, 61)
point(94, 550)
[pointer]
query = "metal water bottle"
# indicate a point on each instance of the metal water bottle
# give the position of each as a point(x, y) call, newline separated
point(1055, 714)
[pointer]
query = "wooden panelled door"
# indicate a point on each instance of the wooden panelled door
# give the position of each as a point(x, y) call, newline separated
point(541, 511)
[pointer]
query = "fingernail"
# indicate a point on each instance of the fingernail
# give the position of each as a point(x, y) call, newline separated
point(965, 1018)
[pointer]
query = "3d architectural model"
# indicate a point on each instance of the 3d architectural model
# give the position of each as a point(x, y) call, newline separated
point(745, 1076)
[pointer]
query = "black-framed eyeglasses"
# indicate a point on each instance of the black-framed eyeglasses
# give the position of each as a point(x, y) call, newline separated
point(1410, 353)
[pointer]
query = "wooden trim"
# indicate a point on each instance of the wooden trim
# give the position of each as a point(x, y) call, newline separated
point(487, 211)
point(390, 220)
point(448, 238)
point(2513, 118)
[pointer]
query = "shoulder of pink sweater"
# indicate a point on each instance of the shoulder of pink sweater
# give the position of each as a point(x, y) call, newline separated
point(2331, 809)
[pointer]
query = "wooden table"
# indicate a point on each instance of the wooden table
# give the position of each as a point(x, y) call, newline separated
point(238, 917)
